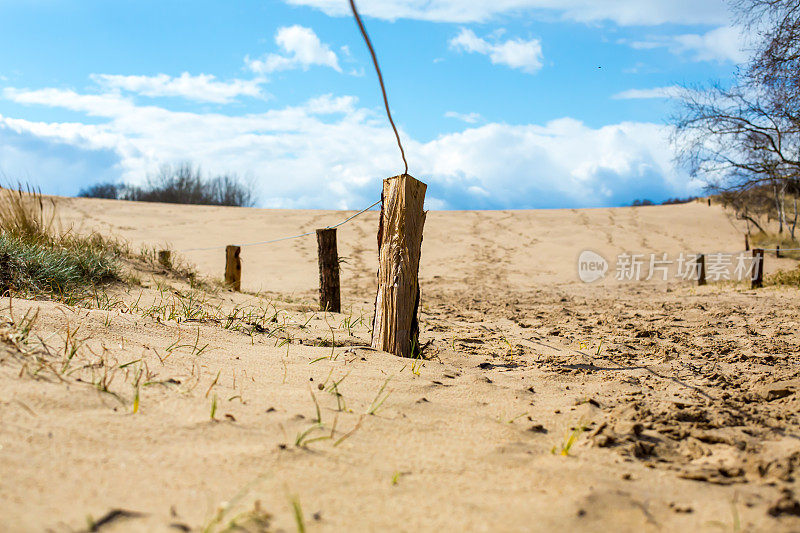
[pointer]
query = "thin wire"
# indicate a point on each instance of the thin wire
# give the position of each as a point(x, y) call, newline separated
point(741, 252)
point(285, 238)
point(380, 79)
point(354, 216)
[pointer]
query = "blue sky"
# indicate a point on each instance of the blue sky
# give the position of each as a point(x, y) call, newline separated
point(500, 103)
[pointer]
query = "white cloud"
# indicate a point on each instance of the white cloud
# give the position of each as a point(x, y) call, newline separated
point(301, 49)
point(723, 44)
point(200, 88)
point(331, 153)
point(515, 53)
point(469, 118)
point(563, 162)
point(99, 105)
point(623, 12)
point(672, 91)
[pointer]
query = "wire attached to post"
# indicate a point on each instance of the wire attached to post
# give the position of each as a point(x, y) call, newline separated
point(259, 243)
point(380, 79)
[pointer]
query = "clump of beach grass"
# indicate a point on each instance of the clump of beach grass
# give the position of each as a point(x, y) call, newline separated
point(39, 258)
point(784, 277)
point(770, 241)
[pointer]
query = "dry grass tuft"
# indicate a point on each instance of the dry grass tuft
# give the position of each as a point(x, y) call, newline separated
point(38, 258)
point(770, 241)
point(26, 214)
point(784, 277)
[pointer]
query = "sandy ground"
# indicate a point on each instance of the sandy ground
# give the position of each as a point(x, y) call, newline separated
point(681, 401)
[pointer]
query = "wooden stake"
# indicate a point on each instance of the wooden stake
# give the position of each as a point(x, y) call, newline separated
point(746, 243)
point(165, 258)
point(758, 268)
point(233, 267)
point(329, 295)
point(778, 251)
point(395, 329)
point(701, 269)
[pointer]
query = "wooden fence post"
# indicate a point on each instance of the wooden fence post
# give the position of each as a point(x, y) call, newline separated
point(329, 294)
point(758, 266)
point(746, 243)
point(165, 258)
point(701, 269)
point(396, 329)
point(778, 251)
point(233, 267)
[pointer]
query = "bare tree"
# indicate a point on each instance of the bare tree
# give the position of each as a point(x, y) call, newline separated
point(775, 28)
point(735, 138)
point(747, 136)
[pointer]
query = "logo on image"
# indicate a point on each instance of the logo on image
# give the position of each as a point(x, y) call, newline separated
point(591, 266)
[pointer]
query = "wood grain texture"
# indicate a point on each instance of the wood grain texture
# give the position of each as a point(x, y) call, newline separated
point(233, 267)
point(329, 293)
point(395, 328)
point(701, 269)
point(758, 268)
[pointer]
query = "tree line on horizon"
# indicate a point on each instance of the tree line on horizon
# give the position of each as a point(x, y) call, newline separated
point(668, 201)
point(181, 184)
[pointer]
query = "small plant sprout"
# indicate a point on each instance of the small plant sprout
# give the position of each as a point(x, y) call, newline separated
point(349, 433)
point(514, 419)
point(416, 364)
point(380, 398)
point(298, 514)
point(255, 519)
point(510, 353)
point(302, 440)
point(333, 388)
point(333, 337)
point(136, 401)
point(304, 325)
point(396, 477)
point(213, 383)
point(136, 388)
point(569, 442)
point(213, 415)
point(71, 346)
point(316, 404)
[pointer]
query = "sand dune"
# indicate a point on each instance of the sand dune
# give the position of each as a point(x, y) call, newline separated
point(520, 248)
point(687, 396)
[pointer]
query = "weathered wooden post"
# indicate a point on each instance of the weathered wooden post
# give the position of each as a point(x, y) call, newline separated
point(396, 329)
point(746, 243)
point(329, 294)
point(778, 251)
point(233, 267)
point(165, 258)
point(701, 269)
point(758, 268)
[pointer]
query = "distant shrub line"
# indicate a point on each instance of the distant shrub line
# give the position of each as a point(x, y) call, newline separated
point(183, 184)
point(668, 201)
